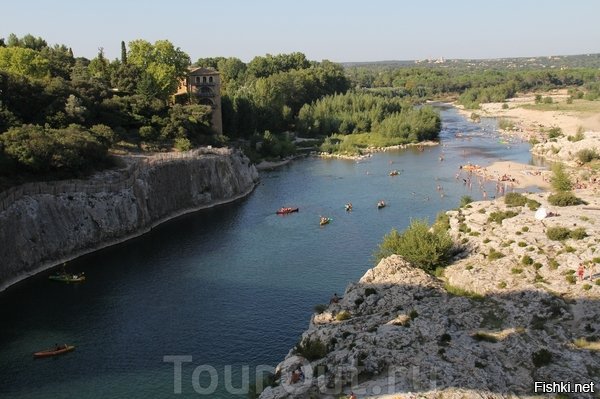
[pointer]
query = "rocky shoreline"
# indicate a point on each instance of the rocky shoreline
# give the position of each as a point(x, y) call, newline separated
point(490, 326)
point(510, 310)
point(53, 223)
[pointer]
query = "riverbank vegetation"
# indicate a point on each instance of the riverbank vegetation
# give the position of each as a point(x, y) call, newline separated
point(53, 102)
point(357, 120)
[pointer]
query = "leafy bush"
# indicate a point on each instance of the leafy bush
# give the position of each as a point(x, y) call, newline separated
point(442, 222)
point(526, 260)
point(465, 200)
point(422, 247)
point(565, 198)
point(504, 106)
point(413, 314)
point(558, 233)
point(515, 199)
point(553, 264)
point(343, 315)
point(554, 132)
point(571, 279)
point(506, 124)
point(533, 204)
point(311, 349)
point(494, 255)
point(182, 144)
point(320, 308)
point(578, 233)
point(502, 284)
point(72, 150)
point(499, 216)
point(587, 155)
point(578, 137)
point(560, 179)
point(370, 291)
point(516, 270)
point(482, 336)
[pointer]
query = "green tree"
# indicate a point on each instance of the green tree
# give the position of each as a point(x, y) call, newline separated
point(99, 67)
point(123, 53)
point(560, 179)
point(24, 61)
point(164, 64)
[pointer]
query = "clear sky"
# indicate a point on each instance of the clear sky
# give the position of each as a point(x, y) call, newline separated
point(338, 30)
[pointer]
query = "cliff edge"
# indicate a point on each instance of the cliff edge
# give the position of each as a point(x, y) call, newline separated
point(510, 311)
point(43, 224)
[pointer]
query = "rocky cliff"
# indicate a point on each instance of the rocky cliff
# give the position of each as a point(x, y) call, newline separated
point(48, 223)
point(509, 312)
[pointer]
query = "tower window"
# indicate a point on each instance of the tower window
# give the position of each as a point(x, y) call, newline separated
point(210, 79)
point(203, 79)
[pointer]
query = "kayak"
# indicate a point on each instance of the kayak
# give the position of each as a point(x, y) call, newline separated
point(324, 221)
point(68, 278)
point(285, 211)
point(54, 351)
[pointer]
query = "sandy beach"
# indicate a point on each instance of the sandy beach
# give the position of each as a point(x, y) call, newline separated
point(581, 114)
point(516, 175)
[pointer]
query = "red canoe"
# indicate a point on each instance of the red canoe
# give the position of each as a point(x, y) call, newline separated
point(54, 351)
point(285, 211)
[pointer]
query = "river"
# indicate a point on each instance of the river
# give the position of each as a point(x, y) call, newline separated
point(229, 288)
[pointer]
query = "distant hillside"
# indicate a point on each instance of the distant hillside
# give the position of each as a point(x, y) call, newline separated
point(559, 61)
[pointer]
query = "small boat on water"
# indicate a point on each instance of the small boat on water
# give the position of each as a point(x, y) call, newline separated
point(381, 204)
point(58, 350)
point(68, 278)
point(348, 207)
point(286, 210)
point(324, 220)
point(394, 173)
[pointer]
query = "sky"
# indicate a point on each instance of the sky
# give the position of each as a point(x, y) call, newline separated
point(337, 30)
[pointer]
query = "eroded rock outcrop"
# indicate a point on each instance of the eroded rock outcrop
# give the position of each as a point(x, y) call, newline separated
point(39, 230)
point(490, 327)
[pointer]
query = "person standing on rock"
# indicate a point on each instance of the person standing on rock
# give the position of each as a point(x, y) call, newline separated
point(334, 299)
point(580, 271)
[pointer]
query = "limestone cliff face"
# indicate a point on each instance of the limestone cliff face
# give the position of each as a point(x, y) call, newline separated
point(39, 230)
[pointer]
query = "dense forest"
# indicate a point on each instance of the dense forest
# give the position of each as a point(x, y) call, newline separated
point(60, 115)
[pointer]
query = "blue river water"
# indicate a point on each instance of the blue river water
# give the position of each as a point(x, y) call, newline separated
point(229, 288)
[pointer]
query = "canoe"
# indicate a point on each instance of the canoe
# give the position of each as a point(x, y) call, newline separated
point(53, 351)
point(324, 221)
point(285, 211)
point(67, 278)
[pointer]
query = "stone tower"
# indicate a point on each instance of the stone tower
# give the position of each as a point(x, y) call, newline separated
point(205, 85)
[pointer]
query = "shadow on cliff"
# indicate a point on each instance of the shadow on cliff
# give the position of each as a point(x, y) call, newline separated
point(394, 338)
